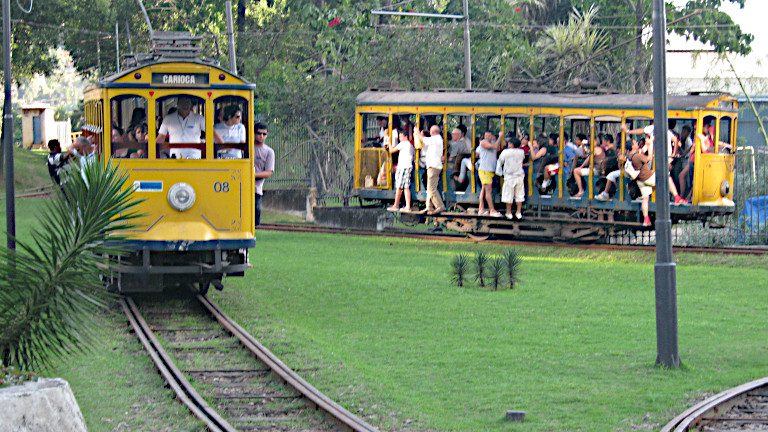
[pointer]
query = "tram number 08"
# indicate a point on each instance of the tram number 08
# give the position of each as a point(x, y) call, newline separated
point(219, 187)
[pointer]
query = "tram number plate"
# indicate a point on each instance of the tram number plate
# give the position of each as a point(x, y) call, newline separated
point(179, 79)
point(220, 187)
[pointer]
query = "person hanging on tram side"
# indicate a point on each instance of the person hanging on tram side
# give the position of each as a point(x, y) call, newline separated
point(510, 166)
point(646, 180)
point(434, 158)
point(56, 161)
point(404, 172)
point(486, 155)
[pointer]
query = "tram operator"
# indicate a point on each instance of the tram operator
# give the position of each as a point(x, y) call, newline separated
point(183, 126)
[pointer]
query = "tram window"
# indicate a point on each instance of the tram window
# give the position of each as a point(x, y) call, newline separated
point(129, 126)
point(231, 117)
point(181, 134)
point(725, 144)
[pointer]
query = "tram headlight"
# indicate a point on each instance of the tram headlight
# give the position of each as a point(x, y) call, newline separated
point(181, 196)
point(725, 188)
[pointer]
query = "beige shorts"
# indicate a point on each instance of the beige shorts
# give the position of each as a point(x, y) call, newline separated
point(646, 186)
point(513, 190)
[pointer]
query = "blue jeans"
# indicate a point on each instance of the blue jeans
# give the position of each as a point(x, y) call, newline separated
point(257, 204)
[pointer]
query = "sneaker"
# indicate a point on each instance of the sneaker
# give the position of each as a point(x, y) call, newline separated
point(602, 196)
point(680, 200)
point(544, 184)
point(509, 216)
point(647, 222)
point(495, 214)
point(518, 216)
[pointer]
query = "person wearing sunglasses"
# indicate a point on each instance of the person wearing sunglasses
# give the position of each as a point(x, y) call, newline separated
point(264, 164)
point(231, 129)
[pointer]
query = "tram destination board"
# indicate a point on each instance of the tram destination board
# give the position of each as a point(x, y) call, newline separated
point(195, 79)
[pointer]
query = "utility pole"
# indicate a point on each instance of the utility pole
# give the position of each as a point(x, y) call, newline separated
point(665, 270)
point(231, 39)
point(467, 51)
point(10, 200)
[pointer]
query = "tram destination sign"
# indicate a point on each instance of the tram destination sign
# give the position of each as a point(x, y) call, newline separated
point(180, 79)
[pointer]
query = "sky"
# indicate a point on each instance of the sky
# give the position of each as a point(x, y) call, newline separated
point(752, 19)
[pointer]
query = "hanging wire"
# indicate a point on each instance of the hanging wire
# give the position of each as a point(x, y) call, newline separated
point(31, 2)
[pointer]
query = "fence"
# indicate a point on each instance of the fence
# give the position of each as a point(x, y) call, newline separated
point(308, 155)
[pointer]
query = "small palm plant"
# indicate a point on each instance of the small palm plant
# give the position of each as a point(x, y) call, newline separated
point(460, 268)
point(496, 271)
point(512, 261)
point(481, 260)
point(49, 286)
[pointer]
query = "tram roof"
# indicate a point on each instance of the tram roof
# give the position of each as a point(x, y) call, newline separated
point(118, 79)
point(553, 100)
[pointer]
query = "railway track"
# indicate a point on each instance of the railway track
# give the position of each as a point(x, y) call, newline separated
point(458, 238)
point(225, 376)
point(742, 408)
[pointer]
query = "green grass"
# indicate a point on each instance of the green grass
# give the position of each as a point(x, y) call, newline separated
point(573, 345)
point(385, 332)
point(29, 170)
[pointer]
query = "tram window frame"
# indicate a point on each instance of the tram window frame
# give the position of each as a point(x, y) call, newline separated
point(186, 150)
point(119, 106)
point(724, 136)
point(225, 149)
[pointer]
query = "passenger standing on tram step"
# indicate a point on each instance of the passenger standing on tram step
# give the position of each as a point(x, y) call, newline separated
point(486, 154)
point(433, 149)
point(404, 171)
point(264, 164)
point(646, 180)
point(510, 166)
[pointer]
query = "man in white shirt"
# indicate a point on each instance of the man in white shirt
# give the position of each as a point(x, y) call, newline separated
point(183, 126)
point(433, 149)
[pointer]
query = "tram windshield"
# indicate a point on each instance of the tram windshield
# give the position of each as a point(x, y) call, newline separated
point(129, 126)
point(182, 125)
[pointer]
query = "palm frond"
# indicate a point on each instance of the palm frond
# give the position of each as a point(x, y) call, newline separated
point(512, 261)
point(49, 286)
point(481, 260)
point(459, 268)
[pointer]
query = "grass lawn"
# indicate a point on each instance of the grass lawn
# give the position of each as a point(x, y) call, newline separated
point(396, 342)
point(573, 345)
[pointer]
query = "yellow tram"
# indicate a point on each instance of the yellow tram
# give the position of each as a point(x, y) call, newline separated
point(194, 175)
point(562, 116)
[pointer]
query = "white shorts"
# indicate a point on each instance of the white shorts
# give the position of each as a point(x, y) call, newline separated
point(513, 189)
point(646, 186)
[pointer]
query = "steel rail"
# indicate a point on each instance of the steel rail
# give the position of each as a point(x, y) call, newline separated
point(694, 415)
point(287, 374)
point(172, 375)
point(463, 239)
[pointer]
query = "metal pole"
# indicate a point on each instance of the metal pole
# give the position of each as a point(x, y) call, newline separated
point(665, 270)
point(128, 35)
point(10, 200)
point(231, 38)
point(117, 47)
point(146, 18)
point(467, 51)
